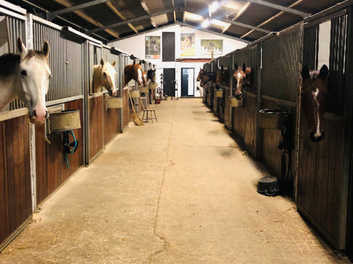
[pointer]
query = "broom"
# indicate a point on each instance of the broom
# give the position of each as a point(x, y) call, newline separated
point(137, 120)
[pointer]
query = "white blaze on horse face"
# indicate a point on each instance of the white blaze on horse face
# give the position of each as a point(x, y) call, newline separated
point(34, 79)
point(139, 77)
point(315, 95)
point(110, 71)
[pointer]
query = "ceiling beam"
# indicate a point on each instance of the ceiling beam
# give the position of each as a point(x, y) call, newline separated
point(280, 7)
point(241, 12)
point(75, 8)
point(235, 23)
point(119, 14)
point(132, 20)
point(271, 18)
point(174, 14)
point(67, 3)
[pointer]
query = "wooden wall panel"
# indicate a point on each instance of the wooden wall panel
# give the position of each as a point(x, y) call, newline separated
point(321, 181)
point(4, 220)
point(244, 124)
point(271, 155)
point(51, 167)
point(96, 131)
point(76, 160)
point(126, 109)
point(15, 178)
point(18, 171)
point(111, 124)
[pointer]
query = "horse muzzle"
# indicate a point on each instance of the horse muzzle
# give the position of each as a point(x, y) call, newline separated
point(33, 117)
point(315, 138)
point(239, 96)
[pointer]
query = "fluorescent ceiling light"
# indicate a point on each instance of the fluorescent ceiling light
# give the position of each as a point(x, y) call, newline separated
point(193, 17)
point(219, 23)
point(159, 20)
point(145, 7)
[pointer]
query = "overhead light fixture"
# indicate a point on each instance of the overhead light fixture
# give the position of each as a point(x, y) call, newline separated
point(206, 23)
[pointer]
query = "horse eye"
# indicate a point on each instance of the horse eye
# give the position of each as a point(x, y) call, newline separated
point(23, 73)
point(104, 74)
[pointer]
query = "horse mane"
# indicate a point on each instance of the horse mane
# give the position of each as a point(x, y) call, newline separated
point(9, 64)
point(96, 80)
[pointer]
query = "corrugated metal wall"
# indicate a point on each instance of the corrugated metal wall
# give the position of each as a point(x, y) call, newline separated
point(282, 57)
point(95, 54)
point(65, 62)
point(16, 29)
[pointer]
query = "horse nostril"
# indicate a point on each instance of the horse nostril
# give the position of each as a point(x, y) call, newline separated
point(32, 113)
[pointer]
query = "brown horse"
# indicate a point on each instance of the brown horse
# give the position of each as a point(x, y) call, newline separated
point(314, 97)
point(134, 72)
point(204, 77)
point(242, 78)
point(222, 76)
point(104, 76)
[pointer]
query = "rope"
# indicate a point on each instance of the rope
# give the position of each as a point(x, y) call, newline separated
point(69, 147)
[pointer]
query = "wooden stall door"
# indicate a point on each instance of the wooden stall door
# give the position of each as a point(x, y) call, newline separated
point(96, 129)
point(15, 178)
point(50, 163)
point(111, 123)
point(244, 123)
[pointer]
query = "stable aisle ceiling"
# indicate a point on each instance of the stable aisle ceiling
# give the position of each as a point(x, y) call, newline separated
point(111, 20)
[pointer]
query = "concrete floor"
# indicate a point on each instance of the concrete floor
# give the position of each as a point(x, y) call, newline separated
point(176, 191)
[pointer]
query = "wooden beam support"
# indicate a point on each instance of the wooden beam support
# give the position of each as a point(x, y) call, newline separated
point(67, 3)
point(119, 14)
point(271, 18)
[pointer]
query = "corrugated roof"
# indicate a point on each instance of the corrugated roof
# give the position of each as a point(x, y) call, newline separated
point(99, 17)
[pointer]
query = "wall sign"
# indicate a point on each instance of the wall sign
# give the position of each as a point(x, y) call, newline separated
point(211, 47)
point(187, 44)
point(153, 47)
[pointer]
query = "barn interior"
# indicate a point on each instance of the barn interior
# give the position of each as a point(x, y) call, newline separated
point(190, 131)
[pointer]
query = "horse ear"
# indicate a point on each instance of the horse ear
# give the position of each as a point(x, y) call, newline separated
point(46, 49)
point(323, 72)
point(102, 62)
point(114, 63)
point(21, 48)
point(305, 72)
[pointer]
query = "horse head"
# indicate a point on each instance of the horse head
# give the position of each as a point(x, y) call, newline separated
point(199, 76)
point(33, 75)
point(134, 71)
point(108, 77)
point(314, 93)
point(242, 78)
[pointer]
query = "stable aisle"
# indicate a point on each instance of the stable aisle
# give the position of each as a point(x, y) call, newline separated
point(178, 191)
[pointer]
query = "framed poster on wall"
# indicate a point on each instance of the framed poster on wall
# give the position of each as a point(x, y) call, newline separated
point(153, 47)
point(187, 44)
point(212, 47)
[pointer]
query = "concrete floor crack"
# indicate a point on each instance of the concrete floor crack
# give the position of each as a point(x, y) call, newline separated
point(155, 224)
